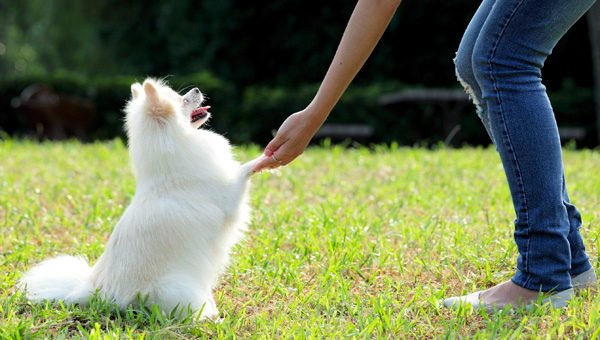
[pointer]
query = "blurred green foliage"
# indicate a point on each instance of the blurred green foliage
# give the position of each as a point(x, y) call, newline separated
point(258, 61)
point(108, 93)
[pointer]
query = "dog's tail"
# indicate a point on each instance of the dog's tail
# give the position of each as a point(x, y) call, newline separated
point(64, 278)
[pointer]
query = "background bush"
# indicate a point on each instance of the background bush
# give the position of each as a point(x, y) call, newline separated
point(252, 114)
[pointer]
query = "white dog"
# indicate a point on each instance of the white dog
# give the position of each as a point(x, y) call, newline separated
point(188, 211)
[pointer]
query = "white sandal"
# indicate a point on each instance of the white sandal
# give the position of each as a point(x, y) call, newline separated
point(585, 280)
point(558, 300)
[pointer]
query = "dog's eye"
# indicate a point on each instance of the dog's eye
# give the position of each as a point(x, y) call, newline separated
point(185, 102)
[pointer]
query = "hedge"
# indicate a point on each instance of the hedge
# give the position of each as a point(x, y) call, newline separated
point(251, 115)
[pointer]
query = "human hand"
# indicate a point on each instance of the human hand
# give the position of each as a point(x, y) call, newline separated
point(291, 140)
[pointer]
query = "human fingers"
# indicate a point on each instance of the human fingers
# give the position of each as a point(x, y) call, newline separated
point(265, 164)
point(272, 146)
point(280, 157)
point(268, 162)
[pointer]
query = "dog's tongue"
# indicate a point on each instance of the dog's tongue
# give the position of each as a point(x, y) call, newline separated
point(200, 111)
point(203, 109)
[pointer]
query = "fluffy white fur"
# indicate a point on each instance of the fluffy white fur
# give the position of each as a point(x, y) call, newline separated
point(189, 210)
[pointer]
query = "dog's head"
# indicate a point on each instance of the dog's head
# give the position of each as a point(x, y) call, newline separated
point(156, 102)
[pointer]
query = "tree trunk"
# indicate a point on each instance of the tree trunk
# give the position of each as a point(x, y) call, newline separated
point(593, 19)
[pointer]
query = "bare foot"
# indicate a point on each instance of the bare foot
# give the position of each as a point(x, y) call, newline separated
point(508, 293)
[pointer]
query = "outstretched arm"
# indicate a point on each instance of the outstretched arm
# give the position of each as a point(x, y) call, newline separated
point(365, 27)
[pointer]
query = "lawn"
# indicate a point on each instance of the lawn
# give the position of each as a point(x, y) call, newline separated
point(344, 243)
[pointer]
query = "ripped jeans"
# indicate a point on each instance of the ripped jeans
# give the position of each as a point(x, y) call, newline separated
point(499, 63)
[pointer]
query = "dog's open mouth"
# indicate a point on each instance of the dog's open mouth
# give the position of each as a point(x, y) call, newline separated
point(199, 113)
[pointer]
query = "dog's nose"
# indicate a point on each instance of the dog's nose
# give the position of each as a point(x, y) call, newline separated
point(196, 90)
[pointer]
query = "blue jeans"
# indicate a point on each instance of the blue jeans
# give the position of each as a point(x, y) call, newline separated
point(499, 63)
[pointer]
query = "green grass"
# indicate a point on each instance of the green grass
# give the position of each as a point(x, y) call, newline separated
point(344, 243)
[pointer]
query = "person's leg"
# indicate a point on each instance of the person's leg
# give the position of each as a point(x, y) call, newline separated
point(508, 49)
point(512, 47)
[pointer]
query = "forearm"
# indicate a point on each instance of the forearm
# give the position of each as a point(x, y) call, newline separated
point(365, 27)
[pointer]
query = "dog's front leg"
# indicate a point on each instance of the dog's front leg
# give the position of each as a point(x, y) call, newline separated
point(239, 188)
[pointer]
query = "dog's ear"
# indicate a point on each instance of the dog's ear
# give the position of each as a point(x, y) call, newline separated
point(136, 89)
point(159, 107)
point(151, 92)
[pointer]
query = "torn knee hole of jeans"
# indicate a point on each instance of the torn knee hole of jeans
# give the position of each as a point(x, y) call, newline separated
point(478, 108)
point(470, 92)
